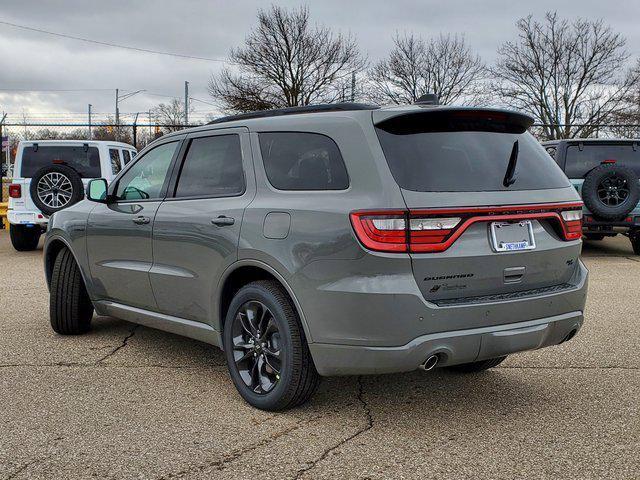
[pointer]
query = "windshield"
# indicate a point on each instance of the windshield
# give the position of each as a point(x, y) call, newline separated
point(84, 160)
point(449, 154)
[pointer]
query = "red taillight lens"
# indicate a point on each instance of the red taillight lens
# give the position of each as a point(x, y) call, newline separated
point(424, 231)
point(572, 220)
point(381, 231)
point(15, 190)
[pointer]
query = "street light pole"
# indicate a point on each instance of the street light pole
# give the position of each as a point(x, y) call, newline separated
point(186, 104)
point(117, 116)
point(90, 136)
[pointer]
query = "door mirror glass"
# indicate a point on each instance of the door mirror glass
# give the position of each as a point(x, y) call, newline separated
point(97, 190)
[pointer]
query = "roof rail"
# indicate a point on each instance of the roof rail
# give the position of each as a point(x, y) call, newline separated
point(277, 112)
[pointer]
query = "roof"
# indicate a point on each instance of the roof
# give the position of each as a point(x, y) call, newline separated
point(81, 142)
point(591, 140)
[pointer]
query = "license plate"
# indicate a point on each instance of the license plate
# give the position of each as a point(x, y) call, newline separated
point(26, 218)
point(512, 236)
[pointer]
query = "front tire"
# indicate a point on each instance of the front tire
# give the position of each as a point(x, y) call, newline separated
point(23, 238)
point(266, 350)
point(475, 367)
point(70, 308)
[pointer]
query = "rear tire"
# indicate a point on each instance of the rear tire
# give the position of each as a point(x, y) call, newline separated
point(70, 308)
point(475, 367)
point(23, 238)
point(634, 236)
point(298, 378)
point(594, 236)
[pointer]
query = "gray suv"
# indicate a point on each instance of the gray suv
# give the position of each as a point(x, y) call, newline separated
point(343, 239)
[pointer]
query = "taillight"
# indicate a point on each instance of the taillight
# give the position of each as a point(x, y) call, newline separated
point(424, 231)
point(572, 220)
point(15, 190)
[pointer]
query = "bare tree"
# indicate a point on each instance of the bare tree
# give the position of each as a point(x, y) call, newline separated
point(444, 65)
point(170, 115)
point(627, 119)
point(570, 75)
point(285, 61)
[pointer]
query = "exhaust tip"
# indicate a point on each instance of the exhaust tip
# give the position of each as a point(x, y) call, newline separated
point(430, 363)
point(570, 335)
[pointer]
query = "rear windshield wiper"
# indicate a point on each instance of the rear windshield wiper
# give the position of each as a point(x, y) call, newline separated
point(510, 175)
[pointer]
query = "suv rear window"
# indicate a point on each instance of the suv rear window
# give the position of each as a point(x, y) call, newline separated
point(445, 152)
point(84, 160)
point(303, 161)
point(580, 162)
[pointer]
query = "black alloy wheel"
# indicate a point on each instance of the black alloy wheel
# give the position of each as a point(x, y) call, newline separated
point(257, 347)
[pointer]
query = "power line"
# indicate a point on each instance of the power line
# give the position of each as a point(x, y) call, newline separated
point(116, 45)
point(56, 89)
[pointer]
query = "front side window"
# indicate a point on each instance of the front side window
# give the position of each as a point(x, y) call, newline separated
point(114, 156)
point(145, 179)
point(83, 159)
point(302, 161)
point(126, 156)
point(581, 160)
point(212, 167)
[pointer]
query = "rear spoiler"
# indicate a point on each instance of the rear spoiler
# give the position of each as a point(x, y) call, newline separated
point(444, 114)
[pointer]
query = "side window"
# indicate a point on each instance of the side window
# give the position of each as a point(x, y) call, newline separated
point(114, 155)
point(212, 167)
point(145, 178)
point(133, 154)
point(126, 156)
point(302, 161)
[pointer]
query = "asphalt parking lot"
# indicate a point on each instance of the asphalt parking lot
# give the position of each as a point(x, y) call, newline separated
point(131, 402)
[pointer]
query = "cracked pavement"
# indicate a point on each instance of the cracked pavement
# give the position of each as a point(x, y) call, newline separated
point(129, 402)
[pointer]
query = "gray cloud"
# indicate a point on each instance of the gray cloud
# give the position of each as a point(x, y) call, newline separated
point(30, 60)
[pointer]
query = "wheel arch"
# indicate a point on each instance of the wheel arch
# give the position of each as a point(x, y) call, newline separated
point(246, 271)
point(52, 248)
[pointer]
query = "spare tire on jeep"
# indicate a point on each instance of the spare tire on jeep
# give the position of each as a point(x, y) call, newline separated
point(611, 191)
point(56, 187)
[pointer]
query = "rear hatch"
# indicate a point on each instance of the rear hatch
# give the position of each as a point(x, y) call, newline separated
point(489, 213)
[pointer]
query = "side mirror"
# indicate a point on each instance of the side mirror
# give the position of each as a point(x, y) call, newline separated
point(97, 190)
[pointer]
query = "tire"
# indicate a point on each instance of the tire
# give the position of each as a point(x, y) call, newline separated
point(634, 236)
point(594, 236)
point(620, 176)
point(70, 308)
point(297, 379)
point(23, 238)
point(475, 367)
point(66, 177)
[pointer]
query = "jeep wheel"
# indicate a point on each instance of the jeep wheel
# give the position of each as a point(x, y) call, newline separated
point(611, 191)
point(56, 187)
point(70, 308)
point(475, 367)
point(24, 238)
point(265, 347)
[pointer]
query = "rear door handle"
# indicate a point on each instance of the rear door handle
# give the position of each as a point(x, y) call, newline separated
point(222, 221)
point(141, 220)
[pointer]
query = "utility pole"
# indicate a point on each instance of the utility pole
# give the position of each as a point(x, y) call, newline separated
point(186, 104)
point(117, 115)
point(353, 86)
point(90, 136)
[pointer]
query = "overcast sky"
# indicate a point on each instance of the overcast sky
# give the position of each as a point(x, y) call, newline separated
point(35, 61)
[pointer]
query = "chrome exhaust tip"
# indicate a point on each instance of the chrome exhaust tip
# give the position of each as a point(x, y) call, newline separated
point(430, 363)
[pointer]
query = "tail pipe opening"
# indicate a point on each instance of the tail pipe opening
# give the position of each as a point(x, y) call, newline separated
point(430, 363)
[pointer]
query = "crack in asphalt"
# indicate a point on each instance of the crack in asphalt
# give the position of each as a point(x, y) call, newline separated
point(368, 426)
point(222, 463)
point(125, 340)
point(23, 467)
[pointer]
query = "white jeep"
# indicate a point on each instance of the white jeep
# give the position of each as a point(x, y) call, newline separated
point(50, 175)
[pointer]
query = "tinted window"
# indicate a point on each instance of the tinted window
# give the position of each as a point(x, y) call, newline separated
point(440, 153)
point(581, 162)
point(114, 156)
point(303, 161)
point(212, 167)
point(126, 156)
point(145, 178)
point(84, 160)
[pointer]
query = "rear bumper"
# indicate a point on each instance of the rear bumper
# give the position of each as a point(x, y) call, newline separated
point(26, 217)
point(452, 348)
